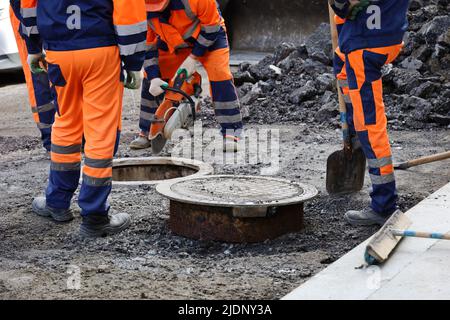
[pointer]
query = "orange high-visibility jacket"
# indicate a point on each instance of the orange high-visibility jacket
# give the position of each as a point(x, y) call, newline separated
point(67, 25)
point(185, 23)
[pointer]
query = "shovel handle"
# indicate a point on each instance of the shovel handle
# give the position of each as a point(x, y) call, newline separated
point(423, 160)
point(342, 106)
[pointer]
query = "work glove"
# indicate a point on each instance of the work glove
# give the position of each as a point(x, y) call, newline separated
point(357, 7)
point(37, 62)
point(133, 79)
point(157, 87)
point(189, 65)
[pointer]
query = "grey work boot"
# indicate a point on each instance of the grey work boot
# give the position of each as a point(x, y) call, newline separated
point(141, 142)
point(230, 144)
point(101, 226)
point(40, 207)
point(365, 217)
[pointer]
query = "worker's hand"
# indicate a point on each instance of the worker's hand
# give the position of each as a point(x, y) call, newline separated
point(133, 79)
point(37, 63)
point(157, 87)
point(189, 65)
point(357, 6)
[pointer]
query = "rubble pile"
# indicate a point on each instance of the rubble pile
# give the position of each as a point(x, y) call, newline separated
point(296, 83)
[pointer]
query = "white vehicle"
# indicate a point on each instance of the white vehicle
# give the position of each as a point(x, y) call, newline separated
point(9, 54)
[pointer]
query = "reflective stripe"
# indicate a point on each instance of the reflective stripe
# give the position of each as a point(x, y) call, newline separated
point(151, 62)
point(96, 182)
point(211, 29)
point(43, 108)
point(151, 25)
point(205, 42)
point(148, 103)
point(28, 12)
point(131, 29)
point(76, 148)
point(182, 46)
point(379, 163)
point(226, 105)
point(146, 116)
point(347, 98)
point(29, 30)
point(57, 166)
point(188, 9)
point(338, 5)
point(229, 119)
point(41, 125)
point(382, 179)
point(98, 163)
point(343, 83)
point(128, 50)
point(189, 33)
point(152, 47)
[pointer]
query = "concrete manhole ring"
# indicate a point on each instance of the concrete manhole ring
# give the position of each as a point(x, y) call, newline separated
point(131, 172)
point(236, 208)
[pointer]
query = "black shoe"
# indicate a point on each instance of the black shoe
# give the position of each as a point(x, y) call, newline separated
point(104, 225)
point(40, 207)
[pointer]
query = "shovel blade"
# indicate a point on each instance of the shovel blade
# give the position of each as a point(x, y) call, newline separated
point(345, 175)
point(158, 143)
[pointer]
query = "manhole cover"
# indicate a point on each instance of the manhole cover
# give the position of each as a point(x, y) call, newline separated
point(151, 171)
point(235, 208)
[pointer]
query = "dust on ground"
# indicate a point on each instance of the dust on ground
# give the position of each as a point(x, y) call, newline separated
point(39, 258)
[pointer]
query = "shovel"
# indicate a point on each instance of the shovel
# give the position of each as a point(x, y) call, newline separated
point(345, 168)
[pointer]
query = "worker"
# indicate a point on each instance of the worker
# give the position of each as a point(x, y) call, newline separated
point(183, 33)
point(38, 85)
point(87, 43)
point(370, 37)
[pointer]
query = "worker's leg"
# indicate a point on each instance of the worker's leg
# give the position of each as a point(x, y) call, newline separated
point(168, 64)
point(148, 108)
point(366, 92)
point(223, 91)
point(39, 92)
point(67, 130)
point(102, 107)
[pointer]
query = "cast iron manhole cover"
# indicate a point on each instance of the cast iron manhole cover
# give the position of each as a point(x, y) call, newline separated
point(231, 191)
point(236, 208)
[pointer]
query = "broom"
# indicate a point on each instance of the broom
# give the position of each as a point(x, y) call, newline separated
point(389, 236)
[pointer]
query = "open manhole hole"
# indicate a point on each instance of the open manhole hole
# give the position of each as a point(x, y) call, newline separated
point(235, 208)
point(151, 171)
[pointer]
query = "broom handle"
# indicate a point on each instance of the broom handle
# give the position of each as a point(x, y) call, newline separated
point(424, 160)
point(417, 234)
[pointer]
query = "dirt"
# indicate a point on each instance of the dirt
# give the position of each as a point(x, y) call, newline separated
point(38, 257)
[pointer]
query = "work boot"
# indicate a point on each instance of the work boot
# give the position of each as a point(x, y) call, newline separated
point(104, 225)
point(230, 144)
point(365, 217)
point(141, 142)
point(40, 207)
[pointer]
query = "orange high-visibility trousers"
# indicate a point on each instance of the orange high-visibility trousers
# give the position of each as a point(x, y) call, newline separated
point(223, 91)
point(89, 100)
point(366, 93)
point(39, 92)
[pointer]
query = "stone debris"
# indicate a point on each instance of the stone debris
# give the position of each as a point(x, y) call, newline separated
point(296, 83)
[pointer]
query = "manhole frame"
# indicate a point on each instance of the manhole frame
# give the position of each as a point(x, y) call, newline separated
point(309, 193)
point(203, 168)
